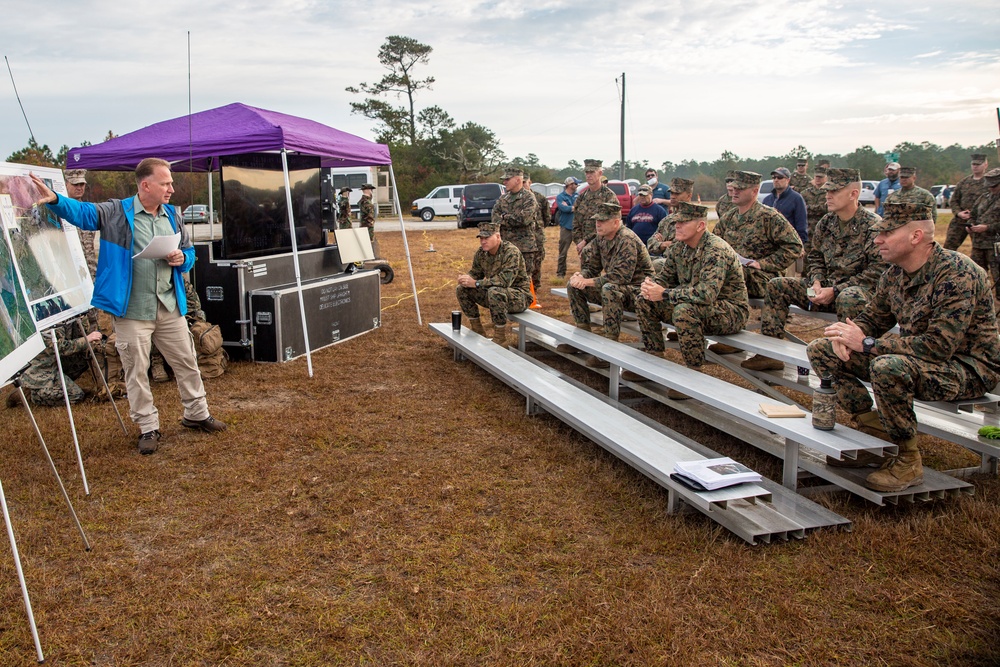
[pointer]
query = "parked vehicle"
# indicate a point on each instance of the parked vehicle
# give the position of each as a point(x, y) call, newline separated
point(867, 195)
point(942, 194)
point(766, 188)
point(441, 200)
point(621, 190)
point(196, 213)
point(477, 202)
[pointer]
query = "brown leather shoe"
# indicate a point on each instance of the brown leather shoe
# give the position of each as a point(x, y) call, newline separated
point(677, 396)
point(208, 425)
point(759, 362)
point(629, 376)
point(722, 348)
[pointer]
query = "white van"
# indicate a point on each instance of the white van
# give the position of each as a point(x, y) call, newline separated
point(442, 200)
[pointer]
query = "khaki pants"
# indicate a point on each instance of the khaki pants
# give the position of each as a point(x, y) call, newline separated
point(169, 331)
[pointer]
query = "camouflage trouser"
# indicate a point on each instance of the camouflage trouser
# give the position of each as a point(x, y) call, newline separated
point(344, 223)
point(783, 292)
point(692, 321)
point(46, 389)
point(756, 280)
point(537, 258)
point(614, 300)
point(500, 301)
point(957, 233)
point(985, 258)
point(896, 380)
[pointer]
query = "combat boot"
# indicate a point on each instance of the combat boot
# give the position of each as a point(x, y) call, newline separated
point(899, 472)
point(629, 376)
point(14, 398)
point(500, 334)
point(722, 348)
point(476, 325)
point(870, 423)
point(566, 348)
point(159, 373)
point(759, 362)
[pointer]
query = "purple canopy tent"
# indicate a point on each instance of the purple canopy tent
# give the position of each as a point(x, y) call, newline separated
point(195, 142)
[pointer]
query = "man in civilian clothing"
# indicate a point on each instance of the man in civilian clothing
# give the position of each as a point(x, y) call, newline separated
point(661, 194)
point(888, 184)
point(788, 202)
point(564, 205)
point(645, 216)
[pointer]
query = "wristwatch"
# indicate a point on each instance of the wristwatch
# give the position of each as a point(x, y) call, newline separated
point(867, 344)
point(479, 283)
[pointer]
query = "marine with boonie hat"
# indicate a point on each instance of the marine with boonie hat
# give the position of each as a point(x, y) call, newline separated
point(909, 191)
point(759, 234)
point(964, 199)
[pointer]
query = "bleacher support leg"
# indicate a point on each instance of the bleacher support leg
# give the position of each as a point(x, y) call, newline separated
point(790, 472)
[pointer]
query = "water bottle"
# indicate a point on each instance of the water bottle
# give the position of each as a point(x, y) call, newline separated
point(824, 413)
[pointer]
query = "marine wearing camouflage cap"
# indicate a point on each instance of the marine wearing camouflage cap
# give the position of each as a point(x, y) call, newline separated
point(687, 211)
point(745, 179)
point(76, 177)
point(992, 177)
point(820, 171)
point(488, 229)
point(978, 158)
point(907, 171)
point(608, 211)
point(592, 165)
point(897, 214)
point(679, 185)
point(512, 172)
point(839, 178)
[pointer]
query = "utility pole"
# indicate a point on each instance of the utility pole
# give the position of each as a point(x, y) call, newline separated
point(621, 161)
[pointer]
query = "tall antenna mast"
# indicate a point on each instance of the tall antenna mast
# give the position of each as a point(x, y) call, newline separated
point(19, 100)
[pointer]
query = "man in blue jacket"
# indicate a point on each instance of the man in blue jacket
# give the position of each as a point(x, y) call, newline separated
point(564, 205)
point(145, 295)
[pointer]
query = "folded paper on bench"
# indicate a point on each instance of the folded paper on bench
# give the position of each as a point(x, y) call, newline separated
point(716, 473)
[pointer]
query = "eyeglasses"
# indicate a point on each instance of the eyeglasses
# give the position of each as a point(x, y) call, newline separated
point(778, 177)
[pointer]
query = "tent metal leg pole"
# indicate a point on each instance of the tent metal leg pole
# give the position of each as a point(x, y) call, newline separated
point(52, 464)
point(69, 412)
point(104, 380)
point(295, 261)
point(406, 247)
point(20, 574)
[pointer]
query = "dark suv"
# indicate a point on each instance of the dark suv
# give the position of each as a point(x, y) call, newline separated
point(477, 203)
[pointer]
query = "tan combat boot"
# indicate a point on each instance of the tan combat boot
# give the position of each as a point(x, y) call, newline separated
point(566, 348)
point(759, 362)
point(870, 423)
point(629, 376)
point(157, 370)
point(899, 472)
point(476, 325)
point(593, 361)
point(500, 334)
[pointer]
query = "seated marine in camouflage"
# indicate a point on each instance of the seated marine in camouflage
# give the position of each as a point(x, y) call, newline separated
point(699, 289)
point(681, 190)
point(842, 267)
point(498, 280)
point(765, 240)
point(41, 379)
point(947, 347)
point(611, 276)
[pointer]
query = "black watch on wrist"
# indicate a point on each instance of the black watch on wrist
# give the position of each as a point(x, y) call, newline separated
point(867, 344)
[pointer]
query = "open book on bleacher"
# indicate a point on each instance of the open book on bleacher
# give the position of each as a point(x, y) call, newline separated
point(715, 473)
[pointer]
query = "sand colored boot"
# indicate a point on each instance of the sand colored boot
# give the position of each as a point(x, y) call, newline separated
point(500, 334)
point(629, 376)
point(759, 362)
point(566, 348)
point(870, 423)
point(157, 370)
point(476, 325)
point(899, 472)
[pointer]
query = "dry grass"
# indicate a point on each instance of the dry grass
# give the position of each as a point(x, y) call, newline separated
point(399, 508)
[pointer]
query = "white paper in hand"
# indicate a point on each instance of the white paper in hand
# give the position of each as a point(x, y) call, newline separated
point(160, 247)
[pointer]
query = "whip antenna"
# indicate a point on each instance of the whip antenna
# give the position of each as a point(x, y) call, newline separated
point(19, 100)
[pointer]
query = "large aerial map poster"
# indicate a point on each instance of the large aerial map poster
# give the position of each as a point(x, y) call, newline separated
point(47, 251)
point(19, 337)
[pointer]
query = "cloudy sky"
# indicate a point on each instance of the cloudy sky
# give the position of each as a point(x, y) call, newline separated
point(702, 77)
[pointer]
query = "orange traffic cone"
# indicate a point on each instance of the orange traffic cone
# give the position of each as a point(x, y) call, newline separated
point(534, 300)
